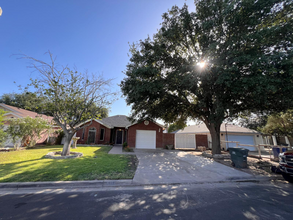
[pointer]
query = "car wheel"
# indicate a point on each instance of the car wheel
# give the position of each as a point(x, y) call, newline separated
point(287, 177)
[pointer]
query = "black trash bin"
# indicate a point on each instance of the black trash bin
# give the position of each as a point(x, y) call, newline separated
point(239, 157)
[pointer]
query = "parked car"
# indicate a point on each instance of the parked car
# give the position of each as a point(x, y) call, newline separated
point(286, 165)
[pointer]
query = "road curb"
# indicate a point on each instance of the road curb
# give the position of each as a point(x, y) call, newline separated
point(67, 184)
point(119, 183)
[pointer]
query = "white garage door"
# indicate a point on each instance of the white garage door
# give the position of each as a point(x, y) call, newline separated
point(185, 141)
point(145, 139)
point(243, 139)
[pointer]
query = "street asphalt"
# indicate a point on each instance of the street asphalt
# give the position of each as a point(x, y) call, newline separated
point(255, 201)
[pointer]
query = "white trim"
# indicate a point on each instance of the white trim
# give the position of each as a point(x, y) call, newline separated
point(146, 125)
point(96, 120)
point(11, 113)
point(122, 136)
point(103, 134)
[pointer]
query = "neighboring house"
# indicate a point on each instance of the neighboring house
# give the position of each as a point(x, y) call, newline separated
point(118, 129)
point(14, 112)
point(198, 135)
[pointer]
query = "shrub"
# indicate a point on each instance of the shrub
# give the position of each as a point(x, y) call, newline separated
point(26, 130)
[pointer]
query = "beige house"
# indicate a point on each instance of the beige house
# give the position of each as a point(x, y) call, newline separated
point(191, 137)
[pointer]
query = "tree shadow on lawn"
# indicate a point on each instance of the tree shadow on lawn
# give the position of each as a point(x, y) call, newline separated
point(95, 164)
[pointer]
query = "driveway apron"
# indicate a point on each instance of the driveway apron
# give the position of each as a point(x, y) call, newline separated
point(166, 167)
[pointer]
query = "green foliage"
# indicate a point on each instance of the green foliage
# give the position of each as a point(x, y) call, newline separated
point(71, 97)
point(247, 49)
point(280, 124)
point(176, 126)
point(34, 102)
point(25, 100)
point(30, 165)
point(254, 121)
point(3, 134)
point(27, 130)
point(102, 113)
point(124, 144)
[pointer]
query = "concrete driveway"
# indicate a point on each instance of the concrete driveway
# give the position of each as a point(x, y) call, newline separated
point(165, 167)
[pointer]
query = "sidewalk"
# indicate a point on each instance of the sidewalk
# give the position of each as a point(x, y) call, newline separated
point(117, 149)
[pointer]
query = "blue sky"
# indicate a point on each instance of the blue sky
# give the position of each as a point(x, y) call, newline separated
point(91, 35)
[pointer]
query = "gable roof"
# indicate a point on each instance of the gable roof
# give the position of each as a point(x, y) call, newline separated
point(116, 121)
point(202, 128)
point(22, 113)
point(147, 120)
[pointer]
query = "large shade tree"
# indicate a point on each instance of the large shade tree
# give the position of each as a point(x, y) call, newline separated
point(26, 100)
point(33, 101)
point(71, 97)
point(225, 58)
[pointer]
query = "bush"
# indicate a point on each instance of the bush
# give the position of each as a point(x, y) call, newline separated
point(27, 130)
point(124, 145)
point(3, 134)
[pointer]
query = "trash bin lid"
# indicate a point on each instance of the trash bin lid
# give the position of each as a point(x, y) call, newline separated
point(238, 151)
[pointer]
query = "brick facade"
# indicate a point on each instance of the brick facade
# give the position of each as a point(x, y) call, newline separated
point(129, 135)
point(141, 126)
point(168, 139)
point(201, 140)
point(98, 128)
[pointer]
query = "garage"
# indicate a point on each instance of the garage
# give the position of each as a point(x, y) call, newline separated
point(185, 141)
point(145, 139)
point(242, 139)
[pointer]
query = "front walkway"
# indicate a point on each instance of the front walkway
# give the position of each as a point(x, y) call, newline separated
point(117, 149)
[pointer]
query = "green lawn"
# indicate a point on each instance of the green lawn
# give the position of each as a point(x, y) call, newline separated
point(30, 165)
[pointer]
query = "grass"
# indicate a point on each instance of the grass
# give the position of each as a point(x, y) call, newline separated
point(30, 165)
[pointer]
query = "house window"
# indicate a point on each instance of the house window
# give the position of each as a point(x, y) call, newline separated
point(82, 136)
point(102, 134)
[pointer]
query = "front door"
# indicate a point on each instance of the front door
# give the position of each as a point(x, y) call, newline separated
point(201, 140)
point(119, 137)
point(92, 136)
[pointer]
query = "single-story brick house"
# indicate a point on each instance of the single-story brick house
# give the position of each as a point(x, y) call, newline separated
point(118, 129)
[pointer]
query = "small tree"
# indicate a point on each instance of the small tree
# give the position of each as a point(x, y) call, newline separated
point(72, 98)
point(280, 124)
point(27, 130)
point(3, 134)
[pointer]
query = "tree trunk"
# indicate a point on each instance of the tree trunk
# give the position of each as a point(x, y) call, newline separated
point(215, 134)
point(67, 144)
